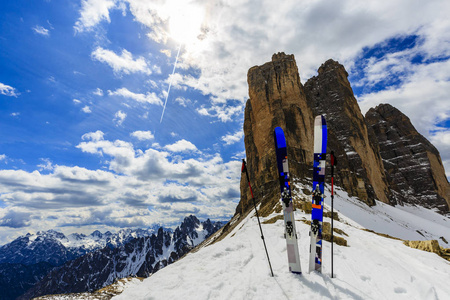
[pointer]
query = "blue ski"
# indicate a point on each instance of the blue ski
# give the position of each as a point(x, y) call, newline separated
point(290, 232)
point(320, 152)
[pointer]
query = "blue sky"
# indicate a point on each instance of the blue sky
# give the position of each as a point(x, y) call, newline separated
point(83, 86)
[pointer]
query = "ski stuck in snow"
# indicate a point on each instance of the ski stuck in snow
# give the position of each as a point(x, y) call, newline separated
point(320, 152)
point(286, 201)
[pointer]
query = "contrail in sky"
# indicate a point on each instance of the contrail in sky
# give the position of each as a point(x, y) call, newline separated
point(170, 84)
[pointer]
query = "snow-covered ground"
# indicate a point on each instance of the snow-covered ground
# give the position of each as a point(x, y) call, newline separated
point(406, 222)
point(372, 267)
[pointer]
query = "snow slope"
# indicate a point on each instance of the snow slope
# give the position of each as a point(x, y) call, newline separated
point(407, 222)
point(372, 267)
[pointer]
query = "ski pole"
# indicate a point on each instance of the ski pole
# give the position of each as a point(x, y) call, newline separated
point(244, 169)
point(333, 162)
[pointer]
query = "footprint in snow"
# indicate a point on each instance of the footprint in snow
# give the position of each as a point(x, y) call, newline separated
point(400, 290)
point(364, 278)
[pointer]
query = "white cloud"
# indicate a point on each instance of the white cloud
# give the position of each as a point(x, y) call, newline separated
point(230, 139)
point(76, 197)
point(157, 165)
point(326, 29)
point(2, 157)
point(181, 146)
point(223, 112)
point(41, 30)
point(239, 155)
point(183, 101)
point(166, 52)
point(15, 219)
point(423, 97)
point(86, 109)
point(150, 98)
point(345, 28)
point(119, 117)
point(92, 12)
point(123, 63)
point(441, 140)
point(15, 114)
point(46, 165)
point(94, 136)
point(143, 135)
point(76, 101)
point(98, 92)
point(8, 90)
point(203, 111)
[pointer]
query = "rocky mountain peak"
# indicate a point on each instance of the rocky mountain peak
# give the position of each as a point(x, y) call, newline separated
point(51, 234)
point(97, 234)
point(412, 164)
point(190, 222)
point(331, 66)
point(361, 171)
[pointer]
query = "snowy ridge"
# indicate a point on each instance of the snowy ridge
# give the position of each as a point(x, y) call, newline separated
point(372, 267)
point(141, 256)
point(406, 222)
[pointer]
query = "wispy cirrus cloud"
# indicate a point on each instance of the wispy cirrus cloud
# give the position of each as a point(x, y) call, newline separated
point(41, 30)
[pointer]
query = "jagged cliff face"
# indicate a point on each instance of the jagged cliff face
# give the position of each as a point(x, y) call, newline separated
point(360, 169)
point(413, 165)
point(277, 98)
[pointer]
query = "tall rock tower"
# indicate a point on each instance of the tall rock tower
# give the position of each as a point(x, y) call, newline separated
point(360, 170)
point(276, 99)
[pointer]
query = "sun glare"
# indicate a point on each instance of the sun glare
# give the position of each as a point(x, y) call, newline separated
point(185, 22)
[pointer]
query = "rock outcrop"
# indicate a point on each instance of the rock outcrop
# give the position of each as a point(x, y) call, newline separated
point(360, 171)
point(368, 166)
point(412, 164)
point(430, 246)
point(276, 99)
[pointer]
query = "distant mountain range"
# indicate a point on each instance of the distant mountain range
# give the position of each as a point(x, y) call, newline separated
point(48, 262)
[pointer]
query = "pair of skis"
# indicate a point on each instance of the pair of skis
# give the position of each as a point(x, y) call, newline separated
point(320, 147)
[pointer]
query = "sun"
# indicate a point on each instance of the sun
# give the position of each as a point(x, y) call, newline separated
point(185, 21)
